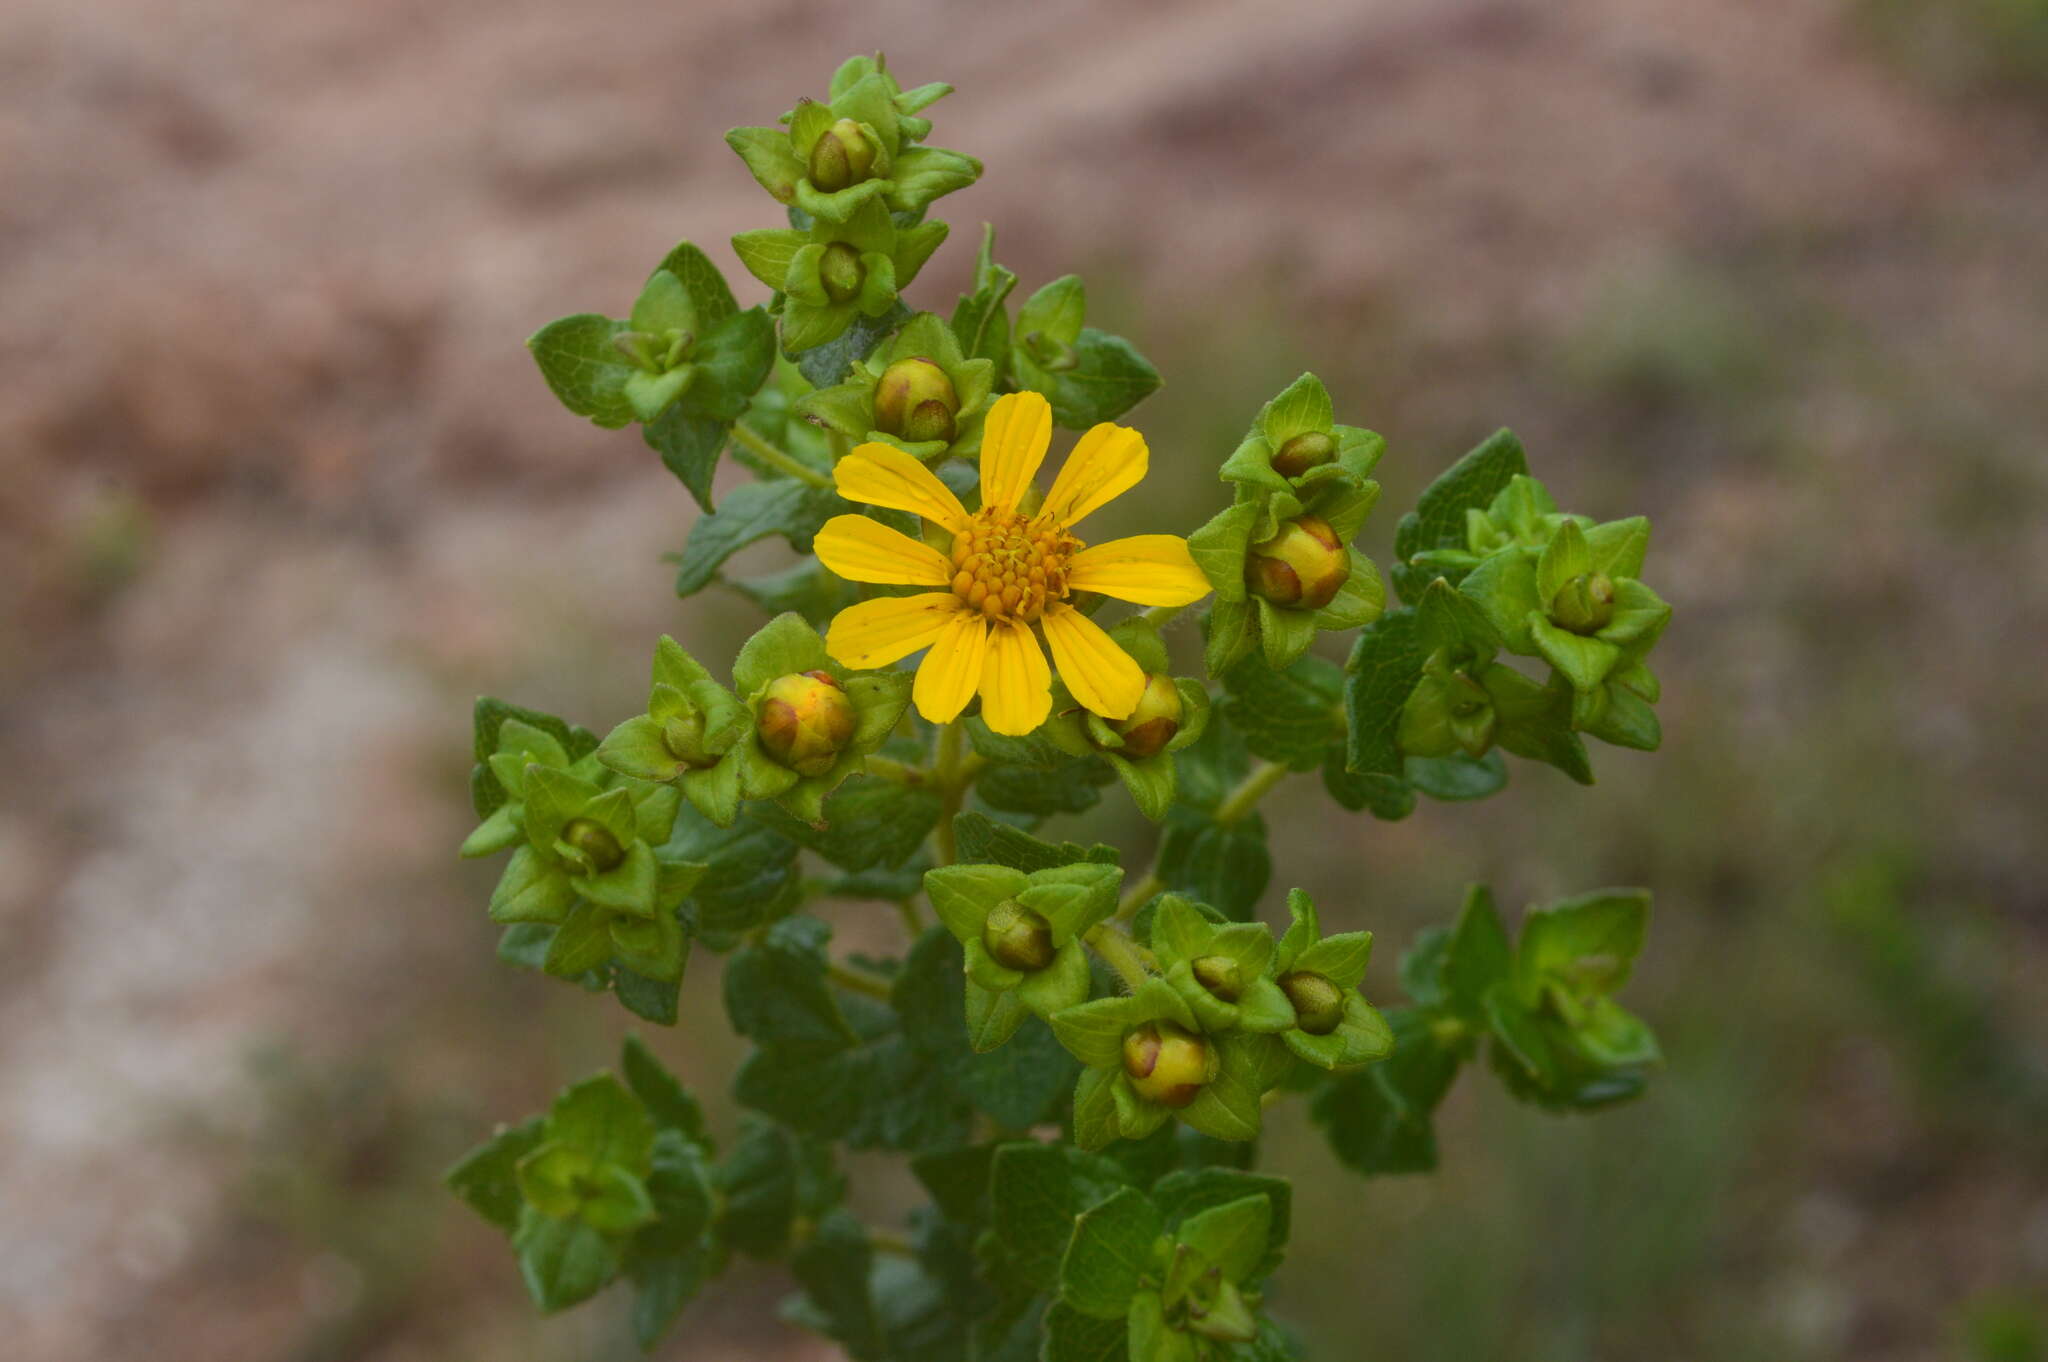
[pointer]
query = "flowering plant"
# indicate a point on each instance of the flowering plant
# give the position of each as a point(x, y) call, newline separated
point(1077, 1055)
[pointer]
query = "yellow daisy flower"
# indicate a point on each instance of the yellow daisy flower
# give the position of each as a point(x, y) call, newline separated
point(1007, 572)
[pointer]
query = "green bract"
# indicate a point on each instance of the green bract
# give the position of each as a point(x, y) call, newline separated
point(833, 272)
point(1022, 937)
point(1140, 749)
point(1283, 570)
point(919, 392)
point(1223, 970)
point(831, 158)
point(1215, 1086)
point(1334, 1027)
point(1029, 1053)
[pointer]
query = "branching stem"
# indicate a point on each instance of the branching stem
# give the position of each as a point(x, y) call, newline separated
point(859, 980)
point(1250, 791)
point(776, 458)
point(1130, 960)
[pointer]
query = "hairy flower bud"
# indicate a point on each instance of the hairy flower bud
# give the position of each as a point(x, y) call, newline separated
point(596, 842)
point(1310, 449)
point(1303, 566)
point(1017, 937)
point(683, 736)
point(806, 720)
point(1318, 1003)
point(842, 156)
point(916, 401)
point(1221, 975)
point(1166, 1064)
point(841, 272)
point(1153, 724)
point(1585, 604)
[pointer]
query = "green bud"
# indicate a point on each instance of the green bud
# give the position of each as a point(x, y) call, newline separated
point(1221, 975)
point(841, 272)
point(1585, 604)
point(1310, 449)
point(916, 401)
point(1304, 566)
point(1221, 1312)
point(1017, 937)
point(683, 736)
point(596, 842)
point(1166, 1064)
point(1318, 1003)
point(843, 156)
point(805, 722)
point(1153, 724)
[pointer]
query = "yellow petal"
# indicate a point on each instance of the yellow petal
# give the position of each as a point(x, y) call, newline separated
point(1101, 674)
point(951, 671)
point(1016, 685)
point(1145, 569)
point(881, 475)
point(1106, 463)
point(877, 632)
point(864, 550)
point(1014, 437)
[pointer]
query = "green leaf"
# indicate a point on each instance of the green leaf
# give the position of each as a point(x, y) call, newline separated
point(1476, 956)
point(882, 1092)
point(1289, 717)
point(563, 1261)
point(833, 1267)
point(752, 875)
point(771, 1176)
point(1378, 1119)
point(979, 838)
point(776, 994)
point(1111, 1252)
point(1108, 378)
point(1190, 1192)
point(1438, 520)
point(1233, 1236)
point(980, 319)
point(651, 1000)
point(1225, 864)
point(1385, 664)
point(604, 1120)
point(825, 365)
point(709, 294)
point(1056, 311)
point(1074, 787)
point(1071, 1336)
point(1302, 406)
point(1037, 1192)
point(489, 719)
point(1015, 1085)
point(1588, 942)
point(689, 447)
point(667, 1102)
point(731, 361)
point(485, 1177)
point(662, 1286)
point(868, 823)
point(753, 511)
point(584, 368)
point(1457, 777)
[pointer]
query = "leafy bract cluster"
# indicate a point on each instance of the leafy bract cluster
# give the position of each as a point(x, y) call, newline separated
point(1073, 1046)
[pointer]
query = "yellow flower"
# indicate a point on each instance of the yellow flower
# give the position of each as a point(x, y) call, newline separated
point(1006, 572)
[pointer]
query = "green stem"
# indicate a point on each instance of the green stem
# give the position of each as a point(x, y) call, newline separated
point(1120, 953)
point(888, 768)
point(954, 773)
point(1250, 791)
point(776, 458)
point(859, 980)
point(1139, 894)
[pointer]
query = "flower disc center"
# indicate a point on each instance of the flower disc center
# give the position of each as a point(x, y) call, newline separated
point(1010, 568)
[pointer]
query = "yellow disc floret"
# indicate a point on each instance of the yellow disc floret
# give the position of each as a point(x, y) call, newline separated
point(1010, 568)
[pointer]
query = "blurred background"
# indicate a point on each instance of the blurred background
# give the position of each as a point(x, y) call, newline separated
point(282, 492)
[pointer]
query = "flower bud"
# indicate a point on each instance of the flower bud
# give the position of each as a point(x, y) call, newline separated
point(596, 842)
point(842, 156)
point(1318, 1003)
point(1310, 449)
point(1166, 1064)
point(1017, 938)
point(1585, 604)
point(1222, 1313)
point(1221, 975)
point(916, 401)
point(841, 272)
point(683, 736)
point(1153, 724)
point(1303, 566)
point(806, 720)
